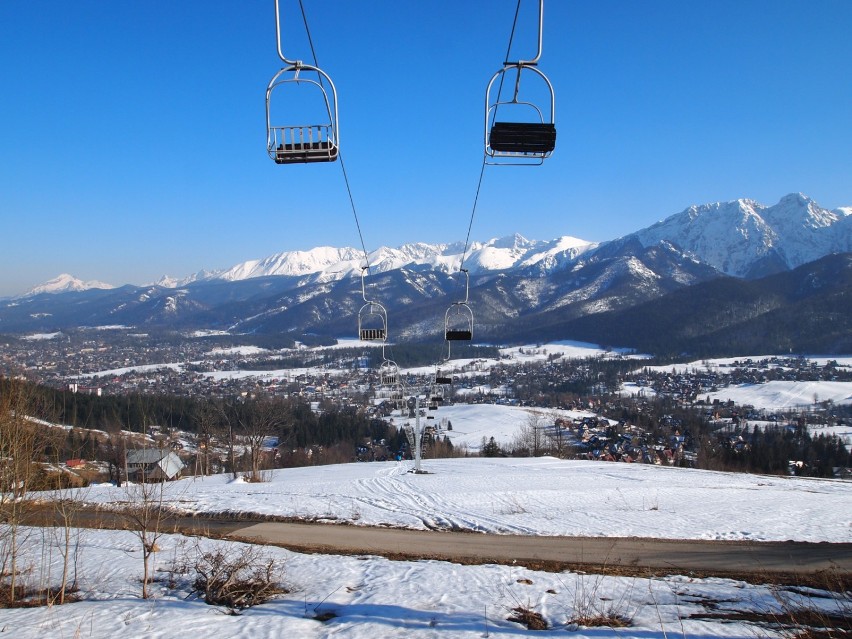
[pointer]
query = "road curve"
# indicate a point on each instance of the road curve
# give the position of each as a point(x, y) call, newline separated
point(634, 554)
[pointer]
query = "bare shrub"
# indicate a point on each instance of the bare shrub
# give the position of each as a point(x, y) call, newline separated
point(236, 577)
point(258, 476)
point(591, 610)
point(529, 617)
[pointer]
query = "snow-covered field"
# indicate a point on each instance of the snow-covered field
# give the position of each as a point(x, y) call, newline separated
point(372, 597)
point(780, 395)
point(471, 422)
point(534, 496)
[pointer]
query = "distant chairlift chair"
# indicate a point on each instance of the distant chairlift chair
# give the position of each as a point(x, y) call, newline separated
point(372, 317)
point(458, 320)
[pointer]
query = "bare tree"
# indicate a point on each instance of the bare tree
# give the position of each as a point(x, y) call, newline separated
point(67, 503)
point(207, 418)
point(144, 516)
point(22, 443)
point(225, 425)
point(113, 451)
point(531, 437)
point(257, 421)
point(145, 511)
point(558, 436)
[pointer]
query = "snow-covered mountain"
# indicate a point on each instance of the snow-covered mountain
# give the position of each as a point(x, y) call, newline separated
point(742, 238)
point(325, 263)
point(746, 239)
point(65, 283)
point(521, 289)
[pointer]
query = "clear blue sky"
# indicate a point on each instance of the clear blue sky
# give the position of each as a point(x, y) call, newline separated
point(133, 139)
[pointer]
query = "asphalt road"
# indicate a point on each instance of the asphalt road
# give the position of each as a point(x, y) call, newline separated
point(617, 554)
point(705, 557)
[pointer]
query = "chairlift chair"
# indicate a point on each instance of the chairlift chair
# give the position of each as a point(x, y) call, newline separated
point(289, 143)
point(372, 317)
point(458, 320)
point(372, 322)
point(525, 134)
point(302, 143)
point(388, 373)
point(442, 380)
point(436, 394)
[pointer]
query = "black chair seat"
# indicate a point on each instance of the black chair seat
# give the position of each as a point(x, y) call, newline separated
point(459, 335)
point(307, 152)
point(522, 137)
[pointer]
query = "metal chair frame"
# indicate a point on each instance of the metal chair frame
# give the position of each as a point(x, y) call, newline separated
point(301, 143)
point(527, 142)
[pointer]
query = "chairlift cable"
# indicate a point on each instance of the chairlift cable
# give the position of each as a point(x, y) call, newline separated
point(340, 154)
point(443, 360)
point(494, 115)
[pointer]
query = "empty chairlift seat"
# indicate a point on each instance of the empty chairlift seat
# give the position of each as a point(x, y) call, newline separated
point(527, 138)
point(372, 334)
point(296, 89)
point(300, 145)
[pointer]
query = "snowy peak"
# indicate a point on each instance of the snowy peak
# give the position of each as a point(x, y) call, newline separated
point(65, 283)
point(293, 263)
point(325, 263)
point(744, 238)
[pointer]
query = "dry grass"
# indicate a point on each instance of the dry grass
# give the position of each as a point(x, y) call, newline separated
point(800, 612)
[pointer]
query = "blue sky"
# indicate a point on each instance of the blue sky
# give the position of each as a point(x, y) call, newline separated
point(134, 132)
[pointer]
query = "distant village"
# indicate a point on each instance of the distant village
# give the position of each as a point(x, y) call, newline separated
point(610, 409)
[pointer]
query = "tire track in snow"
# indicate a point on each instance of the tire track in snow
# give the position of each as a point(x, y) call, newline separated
point(393, 490)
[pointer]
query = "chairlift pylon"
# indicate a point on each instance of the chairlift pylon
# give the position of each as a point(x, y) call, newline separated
point(528, 134)
point(303, 142)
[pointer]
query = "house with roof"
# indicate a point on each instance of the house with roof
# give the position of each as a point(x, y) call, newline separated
point(153, 464)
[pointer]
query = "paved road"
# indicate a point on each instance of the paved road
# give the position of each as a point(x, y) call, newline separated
point(707, 557)
point(629, 554)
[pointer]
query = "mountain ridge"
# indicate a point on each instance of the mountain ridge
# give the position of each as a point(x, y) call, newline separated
point(519, 289)
point(742, 238)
